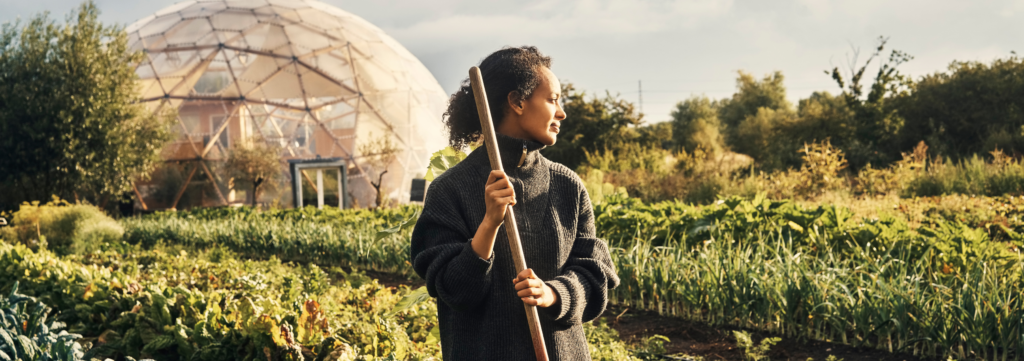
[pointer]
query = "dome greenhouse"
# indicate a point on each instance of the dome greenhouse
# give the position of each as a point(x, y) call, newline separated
point(310, 78)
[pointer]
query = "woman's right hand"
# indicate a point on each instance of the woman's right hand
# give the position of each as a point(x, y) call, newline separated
point(498, 195)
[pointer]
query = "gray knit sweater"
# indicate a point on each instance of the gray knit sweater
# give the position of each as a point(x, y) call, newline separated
point(480, 315)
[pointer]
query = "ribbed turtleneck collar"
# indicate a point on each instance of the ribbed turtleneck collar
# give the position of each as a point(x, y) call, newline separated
point(511, 150)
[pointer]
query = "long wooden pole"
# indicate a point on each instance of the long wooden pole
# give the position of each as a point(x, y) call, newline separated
point(511, 229)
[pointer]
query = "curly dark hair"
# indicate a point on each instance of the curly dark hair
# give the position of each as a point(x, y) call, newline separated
point(506, 71)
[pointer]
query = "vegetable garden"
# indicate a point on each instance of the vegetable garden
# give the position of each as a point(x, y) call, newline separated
point(936, 277)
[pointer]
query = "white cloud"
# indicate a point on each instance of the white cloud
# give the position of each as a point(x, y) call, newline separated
point(566, 20)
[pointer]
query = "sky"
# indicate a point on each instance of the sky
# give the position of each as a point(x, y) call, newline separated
point(676, 49)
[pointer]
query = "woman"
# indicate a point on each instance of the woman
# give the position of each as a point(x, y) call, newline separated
point(461, 250)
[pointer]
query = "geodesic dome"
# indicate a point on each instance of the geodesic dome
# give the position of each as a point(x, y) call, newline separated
point(306, 76)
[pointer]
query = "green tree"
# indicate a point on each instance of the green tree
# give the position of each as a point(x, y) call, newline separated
point(592, 124)
point(70, 123)
point(756, 118)
point(823, 116)
point(255, 162)
point(876, 120)
point(764, 137)
point(973, 108)
point(752, 95)
point(695, 124)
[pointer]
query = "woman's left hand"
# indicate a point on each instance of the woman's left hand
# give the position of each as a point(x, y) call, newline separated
point(533, 291)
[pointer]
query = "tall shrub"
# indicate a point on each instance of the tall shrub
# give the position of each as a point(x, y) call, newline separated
point(70, 124)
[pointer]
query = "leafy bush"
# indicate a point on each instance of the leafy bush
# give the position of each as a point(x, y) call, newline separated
point(28, 336)
point(598, 189)
point(63, 227)
point(629, 157)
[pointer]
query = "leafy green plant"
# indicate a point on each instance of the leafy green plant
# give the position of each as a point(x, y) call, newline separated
point(604, 343)
point(179, 305)
point(753, 352)
point(28, 335)
point(443, 160)
point(598, 189)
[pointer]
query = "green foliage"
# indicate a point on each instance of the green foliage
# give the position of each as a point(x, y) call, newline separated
point(629, 157)
point(916, 176)
point(757, 118)
point(823, 116)
point(327, 237)
point(70, 123)
point(173, 302)
point(605, 345)
point(972, 108)
point(62, 227)
point(752, 95)
point(695, 124)
point(820, 168)
point(27, 334)
point(170, 304)
point(598, 189)
point(596, 124)
point(753, 352)
point(443, 160)
point(257, 163)
point(897, 281)
point(820, 273)
point(877, 119)
point(604, 342)
point(762, 137)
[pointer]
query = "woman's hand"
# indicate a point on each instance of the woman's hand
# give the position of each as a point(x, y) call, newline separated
point(498, 194)
point(533, 291)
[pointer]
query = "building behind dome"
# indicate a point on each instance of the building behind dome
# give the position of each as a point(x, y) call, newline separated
point(306, 76)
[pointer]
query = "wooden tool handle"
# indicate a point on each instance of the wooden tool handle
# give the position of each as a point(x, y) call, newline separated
point(477, 81)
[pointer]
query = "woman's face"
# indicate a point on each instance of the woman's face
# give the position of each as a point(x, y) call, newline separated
point(538, 117)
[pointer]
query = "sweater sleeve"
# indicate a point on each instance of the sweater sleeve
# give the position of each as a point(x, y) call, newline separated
point(587, 275)
point(442, 254)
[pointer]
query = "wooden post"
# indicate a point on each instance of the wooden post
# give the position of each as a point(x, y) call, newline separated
point(480, 94)
point(320, 189)
point(183, 187)
point(139, 196)
point(213, 180)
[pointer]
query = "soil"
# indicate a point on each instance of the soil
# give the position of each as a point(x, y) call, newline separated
point(393, 280)
point(718, 343)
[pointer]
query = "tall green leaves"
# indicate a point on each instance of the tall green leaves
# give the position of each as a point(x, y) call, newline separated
point(69, 121)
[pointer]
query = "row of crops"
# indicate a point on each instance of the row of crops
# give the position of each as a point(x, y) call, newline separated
point(168, 303)
point(927, 281)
